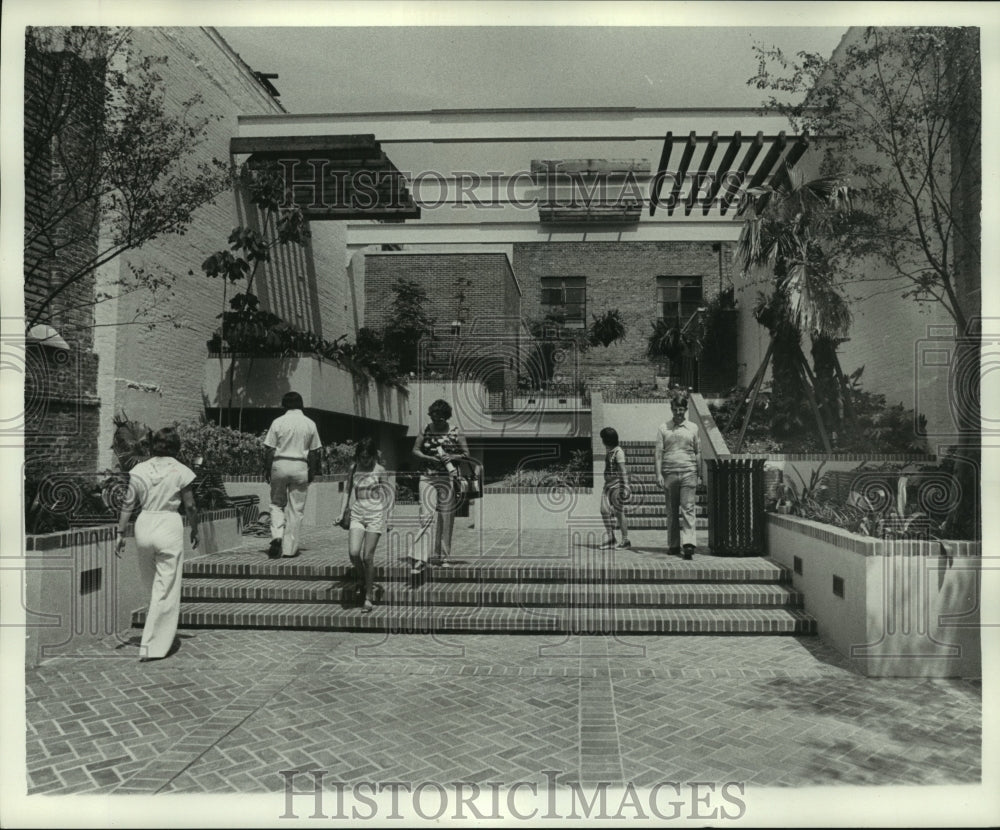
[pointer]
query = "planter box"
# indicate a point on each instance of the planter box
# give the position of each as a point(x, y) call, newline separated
point(895, 608)
point(76, 591)
point(259, 382)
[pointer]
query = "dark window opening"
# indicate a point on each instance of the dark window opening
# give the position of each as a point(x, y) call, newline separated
point(90, 581)
point(565, 299)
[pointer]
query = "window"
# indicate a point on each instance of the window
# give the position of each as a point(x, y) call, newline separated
point(566, 298)
point(677, 298)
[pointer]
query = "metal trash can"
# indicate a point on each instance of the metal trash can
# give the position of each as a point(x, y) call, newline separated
point(736, 506)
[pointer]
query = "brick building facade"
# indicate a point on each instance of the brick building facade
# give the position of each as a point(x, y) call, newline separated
point(630, 277)
point(479, 292)
point(155, 375)
point(60, 392)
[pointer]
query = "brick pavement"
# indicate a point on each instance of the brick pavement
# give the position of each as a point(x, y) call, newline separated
point(233, 708)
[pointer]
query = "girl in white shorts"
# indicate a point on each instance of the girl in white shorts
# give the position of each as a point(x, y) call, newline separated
point(370, 502)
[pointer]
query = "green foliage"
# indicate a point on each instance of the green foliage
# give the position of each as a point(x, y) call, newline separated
point(577, 472)
point(665, 341)
point(607, 328)
point(222, 449)
point(98, 108)
point(886, 507)
point(900, 101)
point(785, 424)
point(372, 355)
point(60, 501)
point(337, 458)
point(886, 428)
point(410, 324)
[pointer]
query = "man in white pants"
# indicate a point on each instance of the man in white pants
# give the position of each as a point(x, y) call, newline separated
point(291, 462)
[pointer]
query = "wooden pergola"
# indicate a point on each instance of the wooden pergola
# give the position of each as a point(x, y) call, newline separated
point(334, 177)
point(731, 175)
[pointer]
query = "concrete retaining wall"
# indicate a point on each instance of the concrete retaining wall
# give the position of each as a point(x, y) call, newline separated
point(907, 609)
point(76, 591)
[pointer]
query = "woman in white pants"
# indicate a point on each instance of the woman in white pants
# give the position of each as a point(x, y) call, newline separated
point(159, 486)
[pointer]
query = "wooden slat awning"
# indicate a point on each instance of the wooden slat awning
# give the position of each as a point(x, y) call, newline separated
point(721, 186)
point(335, 176)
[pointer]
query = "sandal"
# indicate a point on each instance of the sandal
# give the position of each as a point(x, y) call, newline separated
point(625, 543)
point(418, 568)
point(367, 607)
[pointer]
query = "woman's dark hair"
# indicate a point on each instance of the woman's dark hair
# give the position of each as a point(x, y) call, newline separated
point(440, 410)
point(166, 441)
point(366, 449)
point(291, 400)
point(609, 436)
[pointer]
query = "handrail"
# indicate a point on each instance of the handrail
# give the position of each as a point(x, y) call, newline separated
point(713, 445)
point(699, 313)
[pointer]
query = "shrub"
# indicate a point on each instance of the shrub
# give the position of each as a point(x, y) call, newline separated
point(223, 450)
point(887, 501)
point(337, 458)
point(577, 472)
point(779, 427)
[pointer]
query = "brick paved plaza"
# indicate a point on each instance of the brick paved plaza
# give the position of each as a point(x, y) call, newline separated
point(233, 708)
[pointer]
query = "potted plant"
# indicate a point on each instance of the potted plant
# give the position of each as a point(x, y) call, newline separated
point(607, 328)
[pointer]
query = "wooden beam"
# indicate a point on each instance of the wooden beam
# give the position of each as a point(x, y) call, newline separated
point(661, 169)
point(727, 160)
point(732, 188)
point(682, 171)
point(773, 154)
point(300, 144)
point(706, 160)
point(352, 212)
point(781, 177)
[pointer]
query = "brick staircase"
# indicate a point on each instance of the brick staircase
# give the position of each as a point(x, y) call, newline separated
point(648, 508)
point(591, 593)
point(588, 591)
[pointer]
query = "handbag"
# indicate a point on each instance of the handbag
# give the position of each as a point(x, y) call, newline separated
point(345, 517)
point(470, 481)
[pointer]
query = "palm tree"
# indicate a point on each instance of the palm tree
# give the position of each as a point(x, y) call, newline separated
point(785, 241)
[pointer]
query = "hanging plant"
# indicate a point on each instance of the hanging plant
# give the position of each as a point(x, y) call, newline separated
point(665, 341)
point(607, 328)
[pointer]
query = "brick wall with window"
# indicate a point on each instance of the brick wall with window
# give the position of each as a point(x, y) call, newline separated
point(478, 291)
point(640, 279)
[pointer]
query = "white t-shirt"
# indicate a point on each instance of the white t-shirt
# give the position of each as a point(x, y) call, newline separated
point(292, 436)
point(157, 483)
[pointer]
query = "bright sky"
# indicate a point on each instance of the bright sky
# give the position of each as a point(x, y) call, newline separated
point(414, 68)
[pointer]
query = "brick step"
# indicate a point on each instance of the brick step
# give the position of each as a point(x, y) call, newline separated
point(654, 509)
point(641, 467)
point(682, 595)
point(499, 620)
point(597, 567)
point(659, 522)
point(651, 486)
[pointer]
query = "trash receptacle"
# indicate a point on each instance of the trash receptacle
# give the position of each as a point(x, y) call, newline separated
point(736, 506)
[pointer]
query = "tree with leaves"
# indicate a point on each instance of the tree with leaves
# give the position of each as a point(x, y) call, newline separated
point(903, 109)
point(108, 167)
point(410, 324)
point(787, 237)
